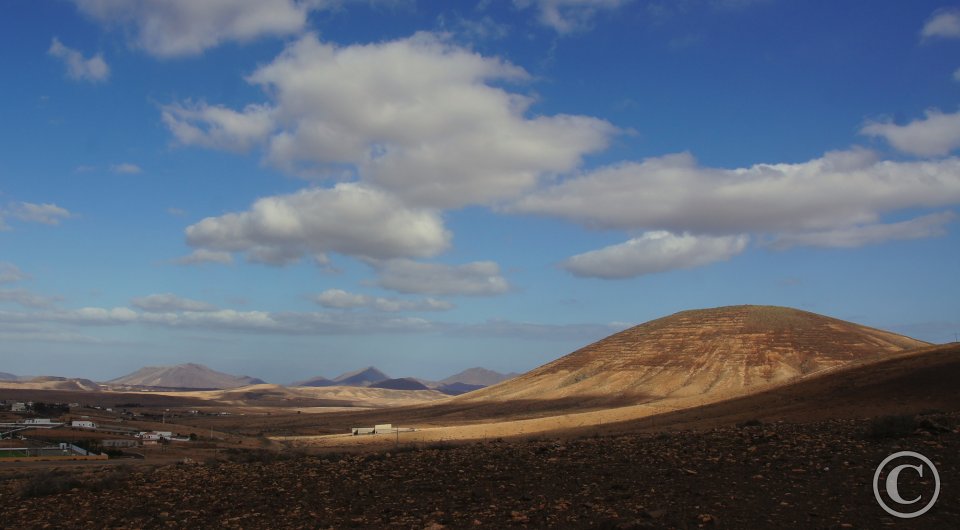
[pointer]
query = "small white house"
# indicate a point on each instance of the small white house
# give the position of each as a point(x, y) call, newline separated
point(155, 436)
point(83, 424)
point(383, 428)
point(38, 421)
point(18, 407)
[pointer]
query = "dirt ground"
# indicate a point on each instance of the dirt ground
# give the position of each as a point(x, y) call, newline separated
point(779, 475)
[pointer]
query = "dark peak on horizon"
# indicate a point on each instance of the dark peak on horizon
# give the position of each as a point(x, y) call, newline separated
point(477, 376)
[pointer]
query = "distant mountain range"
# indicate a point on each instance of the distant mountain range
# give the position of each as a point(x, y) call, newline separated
point(198, 376)
point(460, 383)
point(190, 375)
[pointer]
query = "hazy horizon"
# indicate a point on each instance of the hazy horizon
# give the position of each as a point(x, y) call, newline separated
point(292, 189)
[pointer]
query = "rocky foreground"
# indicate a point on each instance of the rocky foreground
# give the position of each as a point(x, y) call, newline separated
point(753, 476)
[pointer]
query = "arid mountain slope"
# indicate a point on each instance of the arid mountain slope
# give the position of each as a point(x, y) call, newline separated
point(188, 375)
point(52, 383)
point(723, 351)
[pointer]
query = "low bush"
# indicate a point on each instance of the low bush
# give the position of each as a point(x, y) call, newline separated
point(48, 483)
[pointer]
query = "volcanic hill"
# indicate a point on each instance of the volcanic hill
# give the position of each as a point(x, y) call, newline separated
point(190, 375)
point(723, 351)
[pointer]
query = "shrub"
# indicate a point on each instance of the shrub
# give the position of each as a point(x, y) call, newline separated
point(48, 483)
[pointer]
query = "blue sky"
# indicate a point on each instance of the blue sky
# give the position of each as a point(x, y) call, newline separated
point(295, 188)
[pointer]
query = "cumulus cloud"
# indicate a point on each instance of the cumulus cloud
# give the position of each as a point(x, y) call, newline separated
point(46, 213)
point(419, 117)
point(167, 302)
point(944, 23)
point(936, 134)
point(94, 69)
point(168, 28)
point(479, 278)
point(10, 273)
point(340, 299)
point(202, 255)
point(566, 16)
point(674, 193)
point(351, 219)
point(857, 236)
point(654, 252)
point(126, 168)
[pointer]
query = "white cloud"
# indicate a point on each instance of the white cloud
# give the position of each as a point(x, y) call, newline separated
point(218, 127)
point(26, 298)
point(857, 236)
point(673, 193)
point(47, 213)
point(479, 278)
point(94, 69)
point(944, 23)
point(289, 323)
point(654, 252)
point(936, 134)
point(10, 273)
point(126, 168)
point(566, 16)
point(340, 299)
point(202, 255)
point(350, 219)
point(168, 28)
point(167, 302)
point(83, 316)
point(956, 75)
point(60, 323)
point(417, 116)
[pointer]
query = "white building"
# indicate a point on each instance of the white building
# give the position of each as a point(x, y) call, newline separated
point(38, 421)
point(18, 407)
point(83, 424)
point(155, 436)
